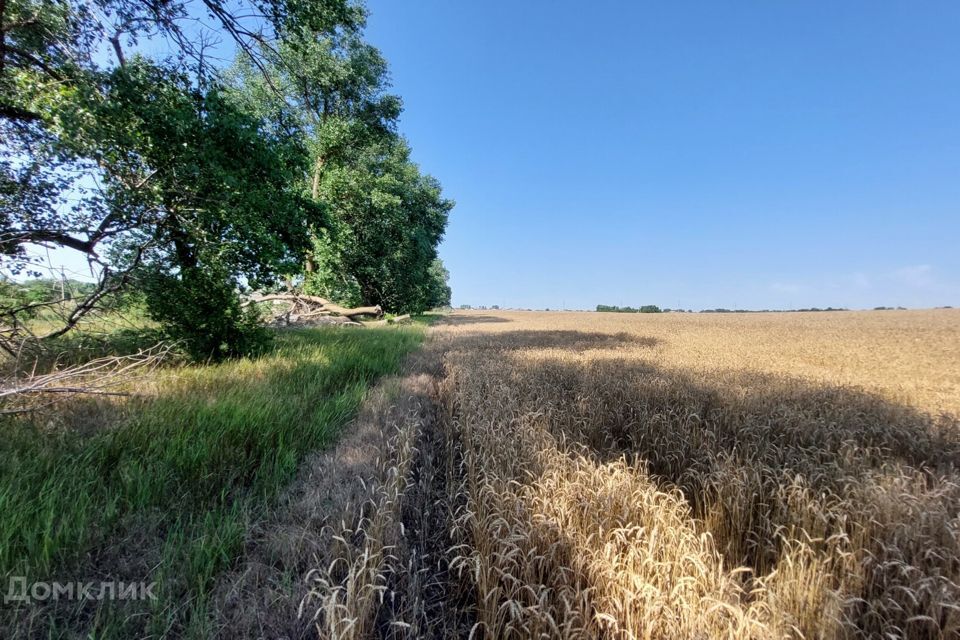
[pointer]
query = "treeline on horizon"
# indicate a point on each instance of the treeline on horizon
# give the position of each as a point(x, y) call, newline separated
point(189, 180)
point(647, 308)
point(651, 308)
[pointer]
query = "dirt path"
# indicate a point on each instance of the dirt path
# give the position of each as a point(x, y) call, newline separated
point(358, 546)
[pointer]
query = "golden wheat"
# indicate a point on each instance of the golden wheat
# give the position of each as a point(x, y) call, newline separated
point(680, 476)
point(574, 475)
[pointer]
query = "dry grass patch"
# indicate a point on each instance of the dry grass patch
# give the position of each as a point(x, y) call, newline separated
point(357, 546)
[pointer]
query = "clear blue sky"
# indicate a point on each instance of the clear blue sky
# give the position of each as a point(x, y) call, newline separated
point(696, 154)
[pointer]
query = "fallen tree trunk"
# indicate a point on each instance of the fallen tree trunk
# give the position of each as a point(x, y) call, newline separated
point(303, 307)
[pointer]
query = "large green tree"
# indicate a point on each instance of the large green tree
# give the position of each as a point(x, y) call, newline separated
point(384, 218)
point(149, 167)
point(170, 175)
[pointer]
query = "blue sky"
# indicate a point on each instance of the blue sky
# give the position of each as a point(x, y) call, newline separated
point(694, 154)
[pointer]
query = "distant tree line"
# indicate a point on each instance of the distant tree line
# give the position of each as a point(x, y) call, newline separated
point(35, 292)
point(722, 310)
point(652, 308)
point(647, 308)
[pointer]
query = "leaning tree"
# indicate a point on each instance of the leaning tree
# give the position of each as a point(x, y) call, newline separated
point(152, 168)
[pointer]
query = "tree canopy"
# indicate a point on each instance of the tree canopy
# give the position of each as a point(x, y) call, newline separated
point(190, 181)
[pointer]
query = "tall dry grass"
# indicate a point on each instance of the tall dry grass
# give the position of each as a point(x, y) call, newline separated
point(685, 477)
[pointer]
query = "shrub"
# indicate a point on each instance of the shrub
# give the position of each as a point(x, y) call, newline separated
point(201, 309)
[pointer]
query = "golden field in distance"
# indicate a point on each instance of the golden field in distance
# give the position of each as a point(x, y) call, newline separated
point(779, 475)
point(908, 356)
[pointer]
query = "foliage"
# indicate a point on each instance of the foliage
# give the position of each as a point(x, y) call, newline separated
point(35, 292)
point(381, 245)
point(157, 167)
point(438, 286)
point(384, 217)
point(647, 308)
point(201, 311)
point(328, 278)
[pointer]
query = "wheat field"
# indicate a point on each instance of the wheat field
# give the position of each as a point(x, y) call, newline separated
point(714, 476)
point(586, 475)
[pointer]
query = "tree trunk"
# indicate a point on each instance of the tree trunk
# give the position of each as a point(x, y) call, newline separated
point(308, 306)
point(309, 263)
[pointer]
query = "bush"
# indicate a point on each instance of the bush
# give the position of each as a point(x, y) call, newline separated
point(201, 309)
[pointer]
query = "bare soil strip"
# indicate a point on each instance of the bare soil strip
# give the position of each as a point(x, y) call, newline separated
point(358, 547)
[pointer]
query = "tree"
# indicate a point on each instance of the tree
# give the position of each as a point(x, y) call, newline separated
point(384, 226)
point(438, 286)
point(152, 168)
point(190, 183)
point(647, 308)
point(187, 187)
point(384, 217)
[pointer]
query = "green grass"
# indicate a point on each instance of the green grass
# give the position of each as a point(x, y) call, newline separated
point(428, 318)
point(96, 336)
point(183, 474)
